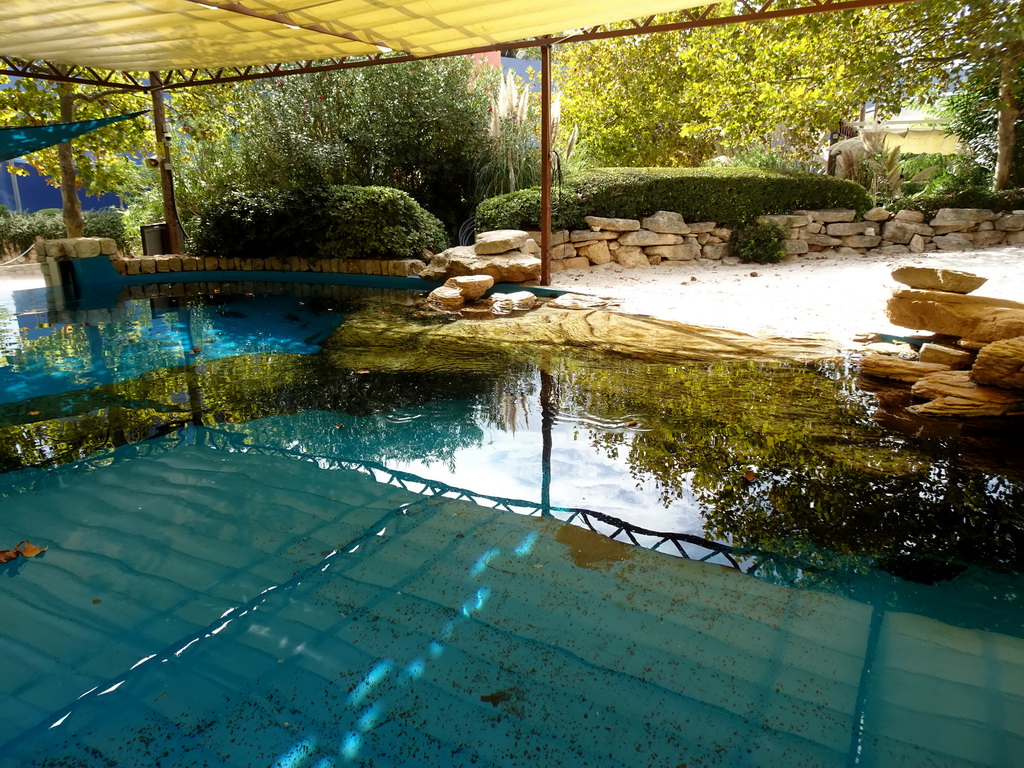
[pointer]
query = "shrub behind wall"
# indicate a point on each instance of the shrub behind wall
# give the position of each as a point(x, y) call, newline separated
point(326, 222)
point(729, 196)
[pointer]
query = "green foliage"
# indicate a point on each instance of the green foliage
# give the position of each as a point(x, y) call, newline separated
point(521, 210)
point(19, 230)
point(325, 222)
point(417, 126)
point(974, 118)
point(729, 196)
point(759, 242)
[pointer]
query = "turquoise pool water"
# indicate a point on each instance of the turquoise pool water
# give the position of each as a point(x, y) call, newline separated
point(260, 557)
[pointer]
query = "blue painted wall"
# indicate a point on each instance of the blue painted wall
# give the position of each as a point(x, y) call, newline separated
point(36, 194)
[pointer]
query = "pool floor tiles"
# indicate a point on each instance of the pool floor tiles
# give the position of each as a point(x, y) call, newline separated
point(350, 621)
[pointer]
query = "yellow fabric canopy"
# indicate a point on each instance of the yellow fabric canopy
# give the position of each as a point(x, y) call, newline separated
point(143, 35)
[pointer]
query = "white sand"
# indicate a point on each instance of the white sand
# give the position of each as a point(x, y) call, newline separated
point(837, 297)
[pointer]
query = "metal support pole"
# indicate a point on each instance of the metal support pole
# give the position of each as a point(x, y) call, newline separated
point(545, 165)
point(163, 143)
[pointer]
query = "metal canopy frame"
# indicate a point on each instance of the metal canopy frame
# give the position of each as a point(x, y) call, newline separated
point(713, 14)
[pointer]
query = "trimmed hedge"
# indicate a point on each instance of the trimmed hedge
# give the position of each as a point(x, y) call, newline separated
point(729, 196)
point(327, 222)
point(1006, 200)
point(19, 230)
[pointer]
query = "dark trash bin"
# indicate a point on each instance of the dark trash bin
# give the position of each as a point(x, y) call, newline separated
point(156, 239)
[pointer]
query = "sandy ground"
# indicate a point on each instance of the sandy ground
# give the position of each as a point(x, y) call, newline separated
point(838, 298)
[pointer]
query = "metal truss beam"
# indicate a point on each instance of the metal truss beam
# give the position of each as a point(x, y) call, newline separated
point(742, 11)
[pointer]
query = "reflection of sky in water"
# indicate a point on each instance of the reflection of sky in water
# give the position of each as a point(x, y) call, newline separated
point(509, 464)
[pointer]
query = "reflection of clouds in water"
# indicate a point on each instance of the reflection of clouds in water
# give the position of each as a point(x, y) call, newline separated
point(509, 464)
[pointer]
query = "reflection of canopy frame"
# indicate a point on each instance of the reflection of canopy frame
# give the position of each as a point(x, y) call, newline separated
point(712, 14)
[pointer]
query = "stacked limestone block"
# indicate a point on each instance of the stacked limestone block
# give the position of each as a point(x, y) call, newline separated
point(506, 255)
point(665, 238)
point(977, 369)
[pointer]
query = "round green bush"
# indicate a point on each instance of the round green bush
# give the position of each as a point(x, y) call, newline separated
point(326, 222)
point(759, 242)
point(729, 196)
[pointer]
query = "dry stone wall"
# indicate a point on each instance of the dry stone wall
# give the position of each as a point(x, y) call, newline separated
point(665, 238)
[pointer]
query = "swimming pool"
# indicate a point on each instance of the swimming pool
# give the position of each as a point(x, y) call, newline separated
point(261, 553)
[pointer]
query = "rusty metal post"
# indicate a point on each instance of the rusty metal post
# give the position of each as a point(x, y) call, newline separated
point(163, 144)
point(545, 165)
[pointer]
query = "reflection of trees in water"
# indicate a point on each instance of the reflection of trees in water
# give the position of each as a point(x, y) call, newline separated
point(786, 458)
point(55, 429)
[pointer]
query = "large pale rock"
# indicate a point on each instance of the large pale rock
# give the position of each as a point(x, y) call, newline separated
point(582, 235)
point(471, 287)
point(108, 246)
point(1012, 222)
point(973, 317)
point(511, 267)
point(701, 227)
point(952, 393)
point(1014, 238)
point(844, 229)
point(878, 214)
point(717, 251)
point(988, 237)
point(822, 240)
point(500, 241)
point(786, 221)
point(897, 369)
point(597, 253)
point(962, 217)
point(446, 297)
point(668, 223)
point(955, 359)
point(917, 244)
point(557, 237)
point(631, 257)
point(512, 302)
point(830, 215)
point(644, 237)
point(796, 247)
point(86, 247)
point(615, 225)
point(910, 216)
point(1001, 364)
point(687, 251)
point(953, 243)
point(899, 231)
point(652, 339)
point(933, 279)
point(576, 262)
point(530, 246)
point(861, 241)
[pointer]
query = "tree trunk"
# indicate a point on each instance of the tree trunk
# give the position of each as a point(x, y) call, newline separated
point(1009, 114)
point(68, 174)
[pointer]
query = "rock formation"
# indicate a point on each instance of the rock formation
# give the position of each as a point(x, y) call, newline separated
point(984, 335)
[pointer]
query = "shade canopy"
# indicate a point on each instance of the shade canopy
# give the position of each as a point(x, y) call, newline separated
point(21, 140)
point(129, 35)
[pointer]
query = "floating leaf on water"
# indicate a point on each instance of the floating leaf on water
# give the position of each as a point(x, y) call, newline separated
point(28, 549)
point(364, 371)
point(34, 413)
point(496, 698)
point(339, 426)
point(6, 555)
point(749, 476)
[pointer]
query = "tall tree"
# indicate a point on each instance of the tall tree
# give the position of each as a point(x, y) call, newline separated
point(679, 98)
point(96, 161)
